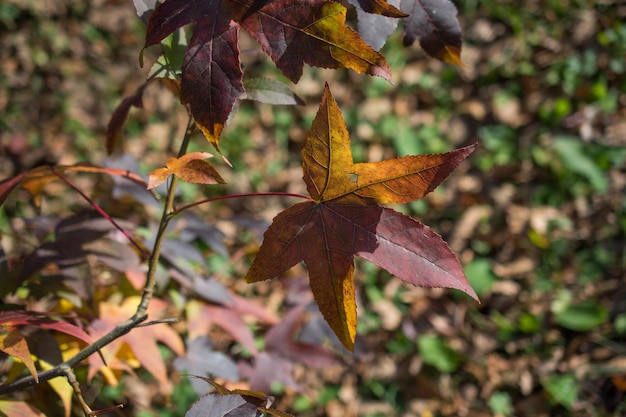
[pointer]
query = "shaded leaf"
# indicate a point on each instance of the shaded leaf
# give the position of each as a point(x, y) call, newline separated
point(236, 403)
point(141, 342)
point(434, 23)
point(75, 239)
point(12, 408)
point(344, 220)
point(43, 320)
point(114, 128)
point(268, 369)
point(190, 168)
point(216, 405)
point(201, 359)
point(202, 316)
point(62, 388)
point(7, 185)
point(281, 339)
point(36, 179)
point(14, 344)
point(266, 90)
point(375, 29)
point(282, 351)
point(211, 74)
point(379, 7)
point(287, 28)
point(144, 9)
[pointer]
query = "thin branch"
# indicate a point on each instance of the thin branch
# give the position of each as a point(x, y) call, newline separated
point(227, 197)
point(160, 321)
point(103, 213)
point(140, 315)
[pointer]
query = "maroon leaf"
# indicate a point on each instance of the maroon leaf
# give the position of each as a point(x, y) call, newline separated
point(44, 320)
point(435, 25)
point(211, 80)
point(7, 185)
point(114, 128)
point(281, 339)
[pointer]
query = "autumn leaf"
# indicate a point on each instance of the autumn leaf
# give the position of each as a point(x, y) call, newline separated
point(13, 343)
point(344, 220)
point(435, 25)
point(211, 70)
point(241, 403)
point(114, 128)
point(191, 167)
point(35, 180)
point(139, 347)
point(11, 319)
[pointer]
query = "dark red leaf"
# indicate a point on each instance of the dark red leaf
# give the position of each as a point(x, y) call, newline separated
point(435, 25)
point(212, 77)
point(44, 320)
point(7, 185)
point(114, 128)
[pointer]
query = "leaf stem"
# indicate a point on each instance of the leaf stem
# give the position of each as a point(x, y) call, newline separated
point(168, 213)
point(103, 213)
point(228, 197)
point(140, 315)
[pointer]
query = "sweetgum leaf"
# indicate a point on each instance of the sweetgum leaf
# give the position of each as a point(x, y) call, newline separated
point(190, 168)
point(294, 32)
point(16, 318)
point(211, 74)
point(291, 32)
point(14, 344)
point(379, 7)
point(343, 220)
point(36, 179)
point(266, 90)
point(140, 344)
point(435, 25)
point(375, 29)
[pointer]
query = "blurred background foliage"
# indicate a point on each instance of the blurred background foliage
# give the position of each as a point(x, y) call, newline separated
point(537, 215)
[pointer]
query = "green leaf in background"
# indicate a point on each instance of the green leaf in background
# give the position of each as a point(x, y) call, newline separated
point(480, 275)
point(170, 63)
point(436, 352)
point(529, 323)
point(562, 389)
point(266, 90)
point(575, 159)
point(500, 404)
point(620, 324)
point(581, 317)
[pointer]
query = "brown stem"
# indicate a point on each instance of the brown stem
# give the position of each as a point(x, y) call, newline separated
point(140, 315)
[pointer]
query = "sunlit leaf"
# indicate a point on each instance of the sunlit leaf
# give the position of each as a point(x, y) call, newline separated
point(344, 220)
point(191, 167)
point(14, 344)
point(211, 71)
